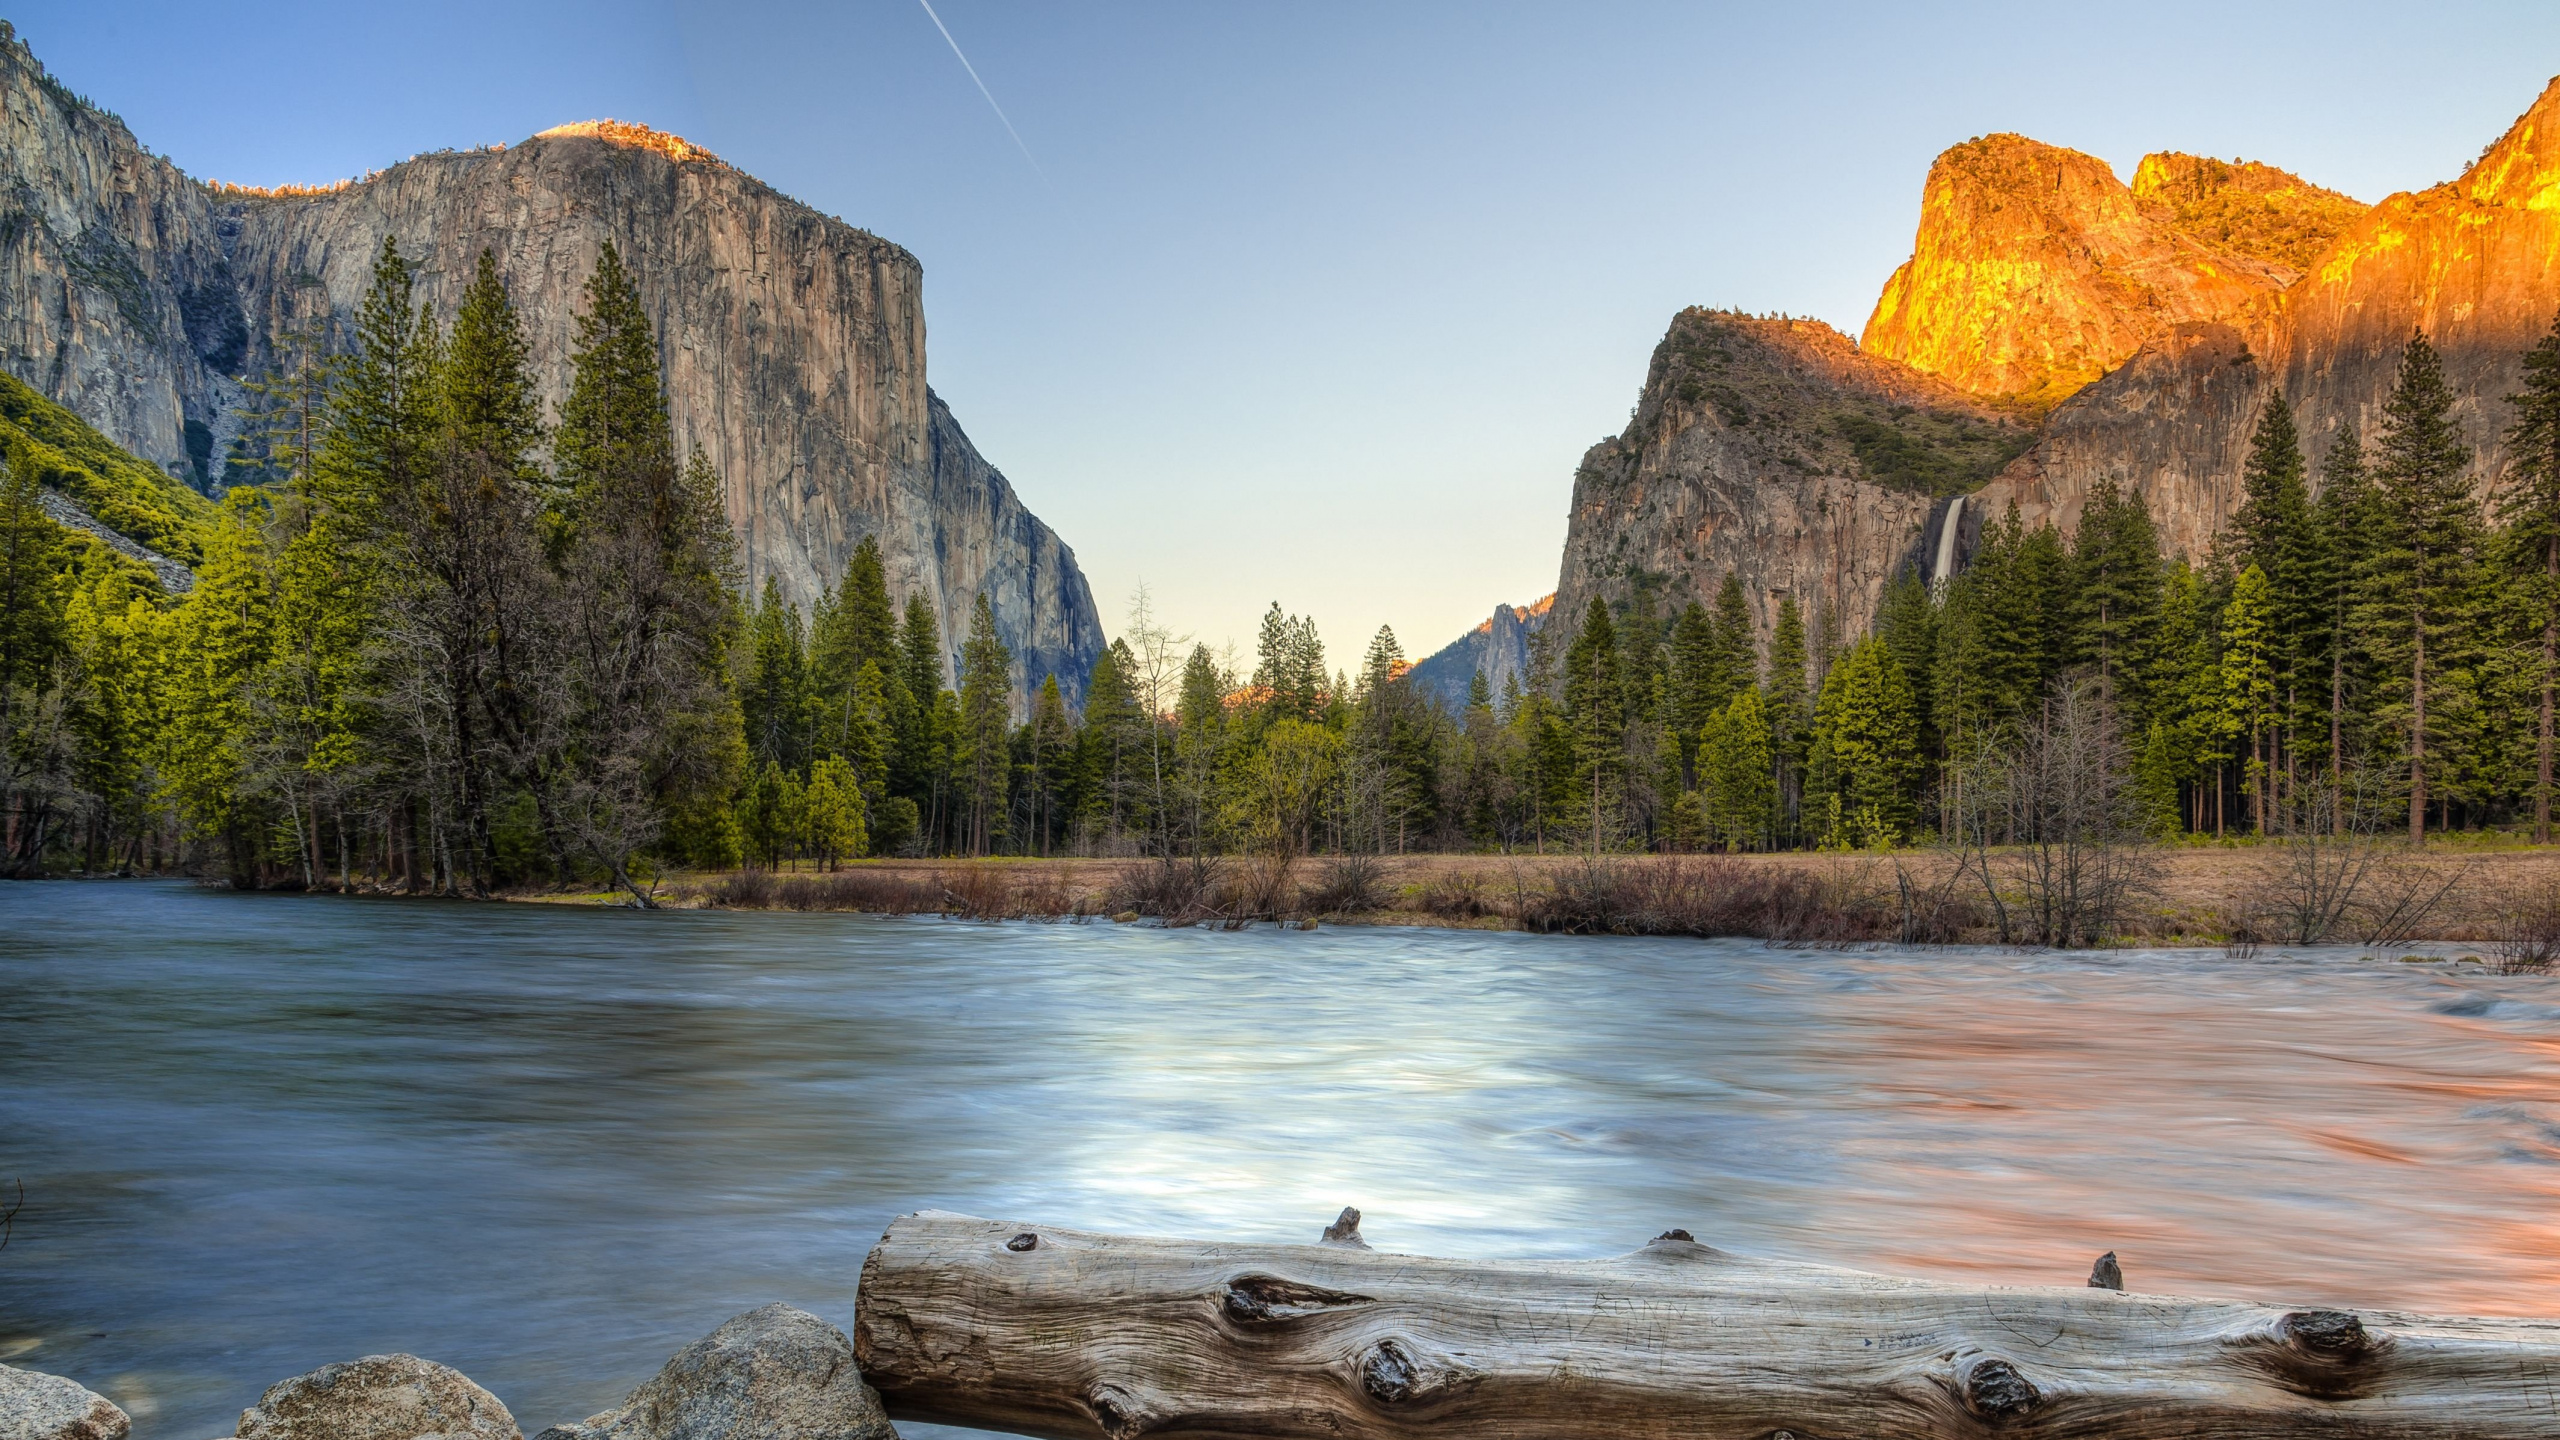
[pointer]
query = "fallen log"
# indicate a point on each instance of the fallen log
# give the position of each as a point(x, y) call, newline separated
point(1073, 1336)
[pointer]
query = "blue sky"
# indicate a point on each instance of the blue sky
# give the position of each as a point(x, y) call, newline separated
point(1322, 303)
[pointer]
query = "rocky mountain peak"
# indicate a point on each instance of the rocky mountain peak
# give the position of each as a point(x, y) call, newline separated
point(2523, 168)
point(2245, 207)
point(2035, 270)
point(638, 137)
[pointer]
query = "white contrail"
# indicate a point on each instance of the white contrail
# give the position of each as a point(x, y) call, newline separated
point(982, 86)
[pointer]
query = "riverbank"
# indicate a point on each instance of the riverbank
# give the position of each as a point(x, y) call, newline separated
point(2377, 894)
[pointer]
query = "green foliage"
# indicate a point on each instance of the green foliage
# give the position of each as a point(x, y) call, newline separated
point(1933, 453)
point(1866, 748)
point(127, 495)
point(1737, 775)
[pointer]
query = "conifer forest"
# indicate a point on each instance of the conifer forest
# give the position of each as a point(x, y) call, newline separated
point(455, 644)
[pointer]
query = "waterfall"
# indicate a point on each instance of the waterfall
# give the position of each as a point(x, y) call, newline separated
point(1944, 570)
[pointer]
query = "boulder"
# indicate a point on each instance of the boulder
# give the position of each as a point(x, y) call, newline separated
point(770, 1374)
point(37, 1406)
point(380, 1397)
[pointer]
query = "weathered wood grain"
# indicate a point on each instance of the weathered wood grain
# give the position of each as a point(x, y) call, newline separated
point(1075, 1336)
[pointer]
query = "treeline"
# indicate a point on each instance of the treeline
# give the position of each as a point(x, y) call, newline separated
point(448, 643)
point(454, 647)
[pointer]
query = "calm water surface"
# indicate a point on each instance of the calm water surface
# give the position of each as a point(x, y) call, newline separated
point(550, 1147)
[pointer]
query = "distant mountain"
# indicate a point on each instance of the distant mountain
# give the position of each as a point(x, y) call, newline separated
point(1499, 647)
point(793, 344)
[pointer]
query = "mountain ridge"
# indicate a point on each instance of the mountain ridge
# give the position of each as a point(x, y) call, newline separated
point(792, 343)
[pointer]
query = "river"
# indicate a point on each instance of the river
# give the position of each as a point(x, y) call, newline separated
point(551, 1146)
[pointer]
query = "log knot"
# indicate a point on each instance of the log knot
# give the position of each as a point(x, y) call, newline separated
point(1121, 1415)
point(2106, 1274)
point(1392, 1373)
point(2327, 1334)
point(2326, 1354)
point(1994, 1390)
point(1345, 1230)
point(1024, 1241)
point(1388, 1374)
point(1267, 1299)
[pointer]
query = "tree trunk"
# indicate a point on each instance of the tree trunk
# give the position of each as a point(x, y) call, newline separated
point(2337, 744)
point(2418, 737)
point(2550, 660)
point(1078, 1336)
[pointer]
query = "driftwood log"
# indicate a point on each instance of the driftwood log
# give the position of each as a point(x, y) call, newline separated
point(1078, 1336)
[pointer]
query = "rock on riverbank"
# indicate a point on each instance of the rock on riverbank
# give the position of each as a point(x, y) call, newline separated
point(37, 1406)
point(771, 1374)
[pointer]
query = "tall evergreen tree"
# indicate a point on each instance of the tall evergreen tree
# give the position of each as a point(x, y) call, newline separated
point(1790, 712)
point(854, 626)
point(2419, 573)
point(1596, 709)
point(986, 703)
point(1699, 680)
point(2346, 527)
point(2116, 570)
point(2531, 516)
point(647, 565)
point(2250, 668)
point(2279, 532)
point(1737, 651)
point(777, 697)
point(1866, 749)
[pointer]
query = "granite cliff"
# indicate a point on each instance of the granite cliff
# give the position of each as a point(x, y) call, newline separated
point(2036, 270)
point(793, 344)
point(2474, 262)
point(1779, 450)
point(2053, 327)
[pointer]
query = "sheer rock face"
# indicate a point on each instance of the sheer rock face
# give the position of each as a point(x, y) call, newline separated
point(2475, 263)
point(2035, 271)
point(1757, 448)
point(793, 344)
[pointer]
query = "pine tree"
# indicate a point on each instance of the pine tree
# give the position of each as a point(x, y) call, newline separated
point(1736, 774)
point(832, 810)
point(2531, 517)
point(1790, 713)
point(1596, 709)
point(646, 563)
point(776, 695)
point(853, 626)
point(2346, 526)
point(1736, 650)
point(919, 675)
point(2420, 571)
point(2247, 703)
point(1867, 748)
point(222, 637)
point(1698, 679)
point(1052, 742)
point(2278, 531)
point(1907, 622)
point(1108, 748)
point(985, 752)
point(2116, 570)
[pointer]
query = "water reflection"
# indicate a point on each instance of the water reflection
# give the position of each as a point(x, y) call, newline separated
point(550, 1147)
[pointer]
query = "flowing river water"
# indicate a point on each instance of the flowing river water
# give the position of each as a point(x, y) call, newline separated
point(552, 1146)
